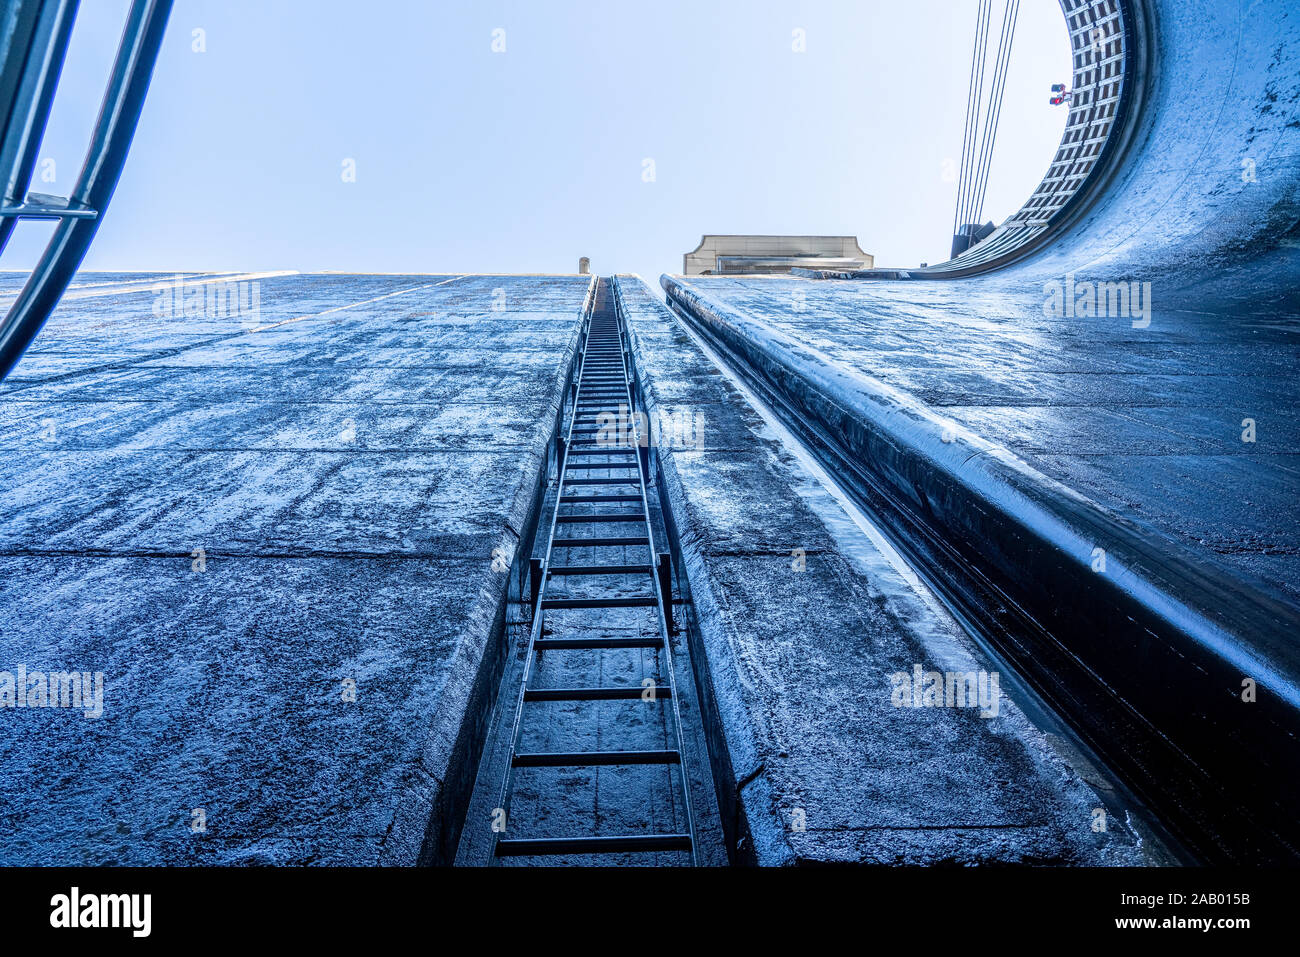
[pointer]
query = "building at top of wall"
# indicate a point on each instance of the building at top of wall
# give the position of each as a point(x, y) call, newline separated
point(773, 255)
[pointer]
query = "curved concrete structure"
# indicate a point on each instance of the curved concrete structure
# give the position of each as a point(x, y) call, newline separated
point(1109, 45)
point(1012, 423)
point(1206, 169)
point(1210, 177)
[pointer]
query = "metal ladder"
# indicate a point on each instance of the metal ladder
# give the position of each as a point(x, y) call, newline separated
point(587, 455)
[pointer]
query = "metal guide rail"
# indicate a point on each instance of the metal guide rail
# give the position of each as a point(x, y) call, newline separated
point(601, 509)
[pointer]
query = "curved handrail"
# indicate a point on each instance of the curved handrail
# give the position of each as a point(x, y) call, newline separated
point(80, 216)
point(33, 58)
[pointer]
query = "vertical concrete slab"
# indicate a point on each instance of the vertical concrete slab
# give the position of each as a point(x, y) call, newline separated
point(283, 538)
point(802, 625)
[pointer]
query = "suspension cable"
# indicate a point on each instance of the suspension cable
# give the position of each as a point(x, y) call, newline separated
point(979, 138)
point(995, 105)
point(974, 101)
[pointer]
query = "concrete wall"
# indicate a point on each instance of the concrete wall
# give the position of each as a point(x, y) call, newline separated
point(813, 762)
point(352, 461)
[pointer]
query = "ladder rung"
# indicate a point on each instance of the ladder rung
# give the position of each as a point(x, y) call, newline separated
point(563, 570)
point(635, 602)
point(581, 499)
point(592, 845)
point(594, 694)
point(598, 542)
point(45, 206)
point(594, 466)
point(599, 519)
point(563, 644)
point(581, 450)
point(630, 480)
point(594, 759)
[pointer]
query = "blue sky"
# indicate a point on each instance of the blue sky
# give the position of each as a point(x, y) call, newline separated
point(470, 160)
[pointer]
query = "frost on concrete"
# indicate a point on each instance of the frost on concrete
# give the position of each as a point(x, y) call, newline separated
point(271, 537)
point(804, 620)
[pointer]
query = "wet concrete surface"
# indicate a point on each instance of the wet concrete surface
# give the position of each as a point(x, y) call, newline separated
point(1148, 422)
point(803, 621)
point(274, 535)
point(1142, 408)
point(1099, 439)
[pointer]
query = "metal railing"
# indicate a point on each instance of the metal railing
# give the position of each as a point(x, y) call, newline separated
point(33, 43)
